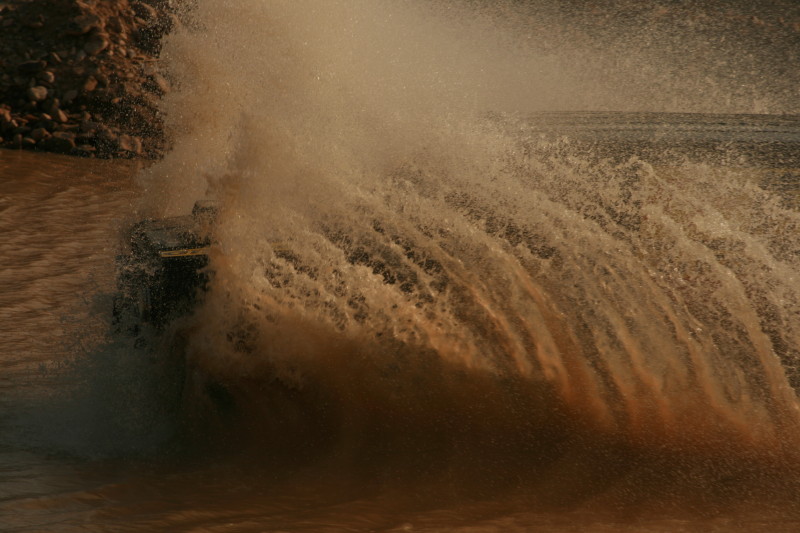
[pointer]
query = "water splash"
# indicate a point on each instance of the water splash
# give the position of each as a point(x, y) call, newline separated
point(389, 256)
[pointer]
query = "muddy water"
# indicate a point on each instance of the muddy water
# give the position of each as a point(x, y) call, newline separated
point(427, 309)
point(368, 434)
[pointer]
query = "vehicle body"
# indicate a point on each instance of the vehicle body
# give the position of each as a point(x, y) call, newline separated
point(164, 271)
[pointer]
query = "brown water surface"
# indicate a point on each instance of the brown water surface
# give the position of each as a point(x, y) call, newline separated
point(383, 437)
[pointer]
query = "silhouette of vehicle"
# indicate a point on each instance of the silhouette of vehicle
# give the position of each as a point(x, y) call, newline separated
point(164, 273)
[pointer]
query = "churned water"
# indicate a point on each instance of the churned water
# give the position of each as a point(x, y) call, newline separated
point(438, 299)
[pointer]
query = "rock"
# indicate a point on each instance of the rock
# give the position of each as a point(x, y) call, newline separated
point(160, 82)
point(39, 134)
point(130, 143)
point(61, 141)
point(85, 138)
point(96, 44)
point(70, 95)
point(47, 76)
point(83, 24)
point(85, 150)
point(61, 117)
point(37, 93)
point(17, 140)
point(90, 84)
point(10, 126)
point(49, 124)
point(89, 126)
point(107, 140)
point(144, 12)
point(115, 25)
point(27, 142)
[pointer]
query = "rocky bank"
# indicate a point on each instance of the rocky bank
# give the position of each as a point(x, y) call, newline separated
point(81, 77)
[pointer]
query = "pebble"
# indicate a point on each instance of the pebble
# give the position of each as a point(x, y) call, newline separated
point(90, 84)
point(37, 93)
point(47, 77)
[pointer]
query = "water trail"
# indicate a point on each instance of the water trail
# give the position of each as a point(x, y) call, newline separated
point(390, 257)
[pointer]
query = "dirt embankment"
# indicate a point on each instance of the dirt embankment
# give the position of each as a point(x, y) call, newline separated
point(81, 77)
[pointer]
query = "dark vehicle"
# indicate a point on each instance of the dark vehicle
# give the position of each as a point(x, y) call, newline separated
point(164, 272)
